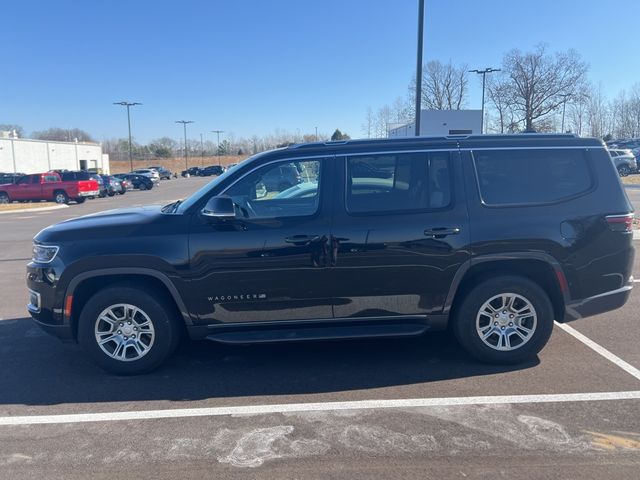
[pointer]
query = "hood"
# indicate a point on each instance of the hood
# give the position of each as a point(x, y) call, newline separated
point(108, 224)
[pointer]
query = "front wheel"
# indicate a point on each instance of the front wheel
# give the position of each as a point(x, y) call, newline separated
point(623, 170)
point(128, 330)
point(4, 198)
point(142, 187)
point(504, 320)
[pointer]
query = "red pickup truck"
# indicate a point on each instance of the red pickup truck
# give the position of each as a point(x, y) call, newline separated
point(48, 186)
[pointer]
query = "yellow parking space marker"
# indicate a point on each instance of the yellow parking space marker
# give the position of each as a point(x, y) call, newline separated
point(607, 441)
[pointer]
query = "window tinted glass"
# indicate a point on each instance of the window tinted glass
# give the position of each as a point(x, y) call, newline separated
point(531, 176)
point(409, 181)
point(287, 189)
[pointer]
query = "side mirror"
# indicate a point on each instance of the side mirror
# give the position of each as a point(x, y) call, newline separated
point(219, 207)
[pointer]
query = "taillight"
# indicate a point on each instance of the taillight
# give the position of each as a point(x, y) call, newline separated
point(620, 223)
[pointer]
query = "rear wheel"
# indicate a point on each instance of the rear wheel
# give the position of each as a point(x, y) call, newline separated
point(142, 186)
point(80, 200)
point(128, 330)
point(60, 197)
point(504, 320)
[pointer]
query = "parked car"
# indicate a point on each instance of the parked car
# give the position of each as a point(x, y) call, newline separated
point(192, 172)
point(48, 186)
point(282, 178)
point(164, 173)
point(139, 182)
point(211, 170)
point(113, 185)
point(625, 161)
point(147, 172)
point(9, 177)
point(461, 235)
point(104, 191)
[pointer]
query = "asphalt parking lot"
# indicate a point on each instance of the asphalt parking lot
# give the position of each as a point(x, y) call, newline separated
point(354, 409)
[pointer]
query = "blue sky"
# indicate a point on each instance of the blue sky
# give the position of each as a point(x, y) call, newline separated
point(250, 66)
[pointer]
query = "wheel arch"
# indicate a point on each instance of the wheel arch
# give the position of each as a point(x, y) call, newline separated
point(538, 267)
point(83, 286)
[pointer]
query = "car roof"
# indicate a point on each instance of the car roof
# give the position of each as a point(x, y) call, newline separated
point(451, 141)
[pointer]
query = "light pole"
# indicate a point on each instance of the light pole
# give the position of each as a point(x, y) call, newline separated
point(186, 157)
point(419, 66)
point(218, 132)
point(128, 105)
point(201, 151)
point(484, 74)
point(565, 97)
point(316, 134)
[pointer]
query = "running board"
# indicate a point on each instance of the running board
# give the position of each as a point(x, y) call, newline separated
point(318, 332)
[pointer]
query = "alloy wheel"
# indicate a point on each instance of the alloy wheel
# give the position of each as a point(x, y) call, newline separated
point(506, 322)
point(124, 332)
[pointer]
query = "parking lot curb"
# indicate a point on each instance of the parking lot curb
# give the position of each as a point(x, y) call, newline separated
point(42, 209)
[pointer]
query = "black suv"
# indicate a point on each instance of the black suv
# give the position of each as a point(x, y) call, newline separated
point(495, 236)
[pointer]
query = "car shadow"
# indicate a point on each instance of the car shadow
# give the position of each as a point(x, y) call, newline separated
point(39, 370)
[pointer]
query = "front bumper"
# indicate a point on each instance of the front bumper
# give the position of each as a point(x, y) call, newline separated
point(604, 302)
point(46, 302)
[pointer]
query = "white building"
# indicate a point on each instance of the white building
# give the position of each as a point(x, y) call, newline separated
point(35, 156)
point(442, 122)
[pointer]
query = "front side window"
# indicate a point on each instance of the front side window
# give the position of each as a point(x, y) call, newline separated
point(521, 177)
point(283, 189)
point(398, 182)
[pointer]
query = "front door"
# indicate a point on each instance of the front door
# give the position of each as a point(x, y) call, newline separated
point(400, 233)
point(270, 262)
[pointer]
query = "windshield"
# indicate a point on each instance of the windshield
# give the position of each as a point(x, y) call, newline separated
point(198, 194)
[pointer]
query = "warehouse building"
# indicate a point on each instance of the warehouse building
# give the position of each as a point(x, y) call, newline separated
point(24, 155)
point(442, 122)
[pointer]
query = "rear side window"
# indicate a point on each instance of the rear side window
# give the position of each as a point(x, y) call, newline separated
point(521, 177)
point(398, 182)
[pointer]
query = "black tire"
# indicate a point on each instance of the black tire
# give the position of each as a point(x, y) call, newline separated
point(142, 187)
point(111, 193)
point(4, 198)
point(59, 196)
point(162, 316)
point(623, 170)
point(467, 312)
point(122, 192)
point(80, 200)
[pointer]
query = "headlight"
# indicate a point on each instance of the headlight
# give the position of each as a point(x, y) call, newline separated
point(44, 253)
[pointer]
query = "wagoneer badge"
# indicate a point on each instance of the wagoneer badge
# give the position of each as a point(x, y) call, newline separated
point(235, 298)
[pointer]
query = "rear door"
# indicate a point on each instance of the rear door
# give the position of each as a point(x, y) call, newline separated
point(400, 233)
point(270, 263)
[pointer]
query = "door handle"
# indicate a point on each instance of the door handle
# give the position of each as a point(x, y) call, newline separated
point(301, 239)
point(441, 232)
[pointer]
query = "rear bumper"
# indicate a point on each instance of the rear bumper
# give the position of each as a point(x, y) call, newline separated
point(604, 302)
point(89, 193)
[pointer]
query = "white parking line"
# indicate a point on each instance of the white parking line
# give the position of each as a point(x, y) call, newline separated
point(630, 369)
point(316, 407)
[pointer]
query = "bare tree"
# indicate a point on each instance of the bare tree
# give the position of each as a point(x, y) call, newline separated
point(444, 87)
point(598, 113)
point(367, 126)
point(63, 135)
point(539, 81)
point(499, 95)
